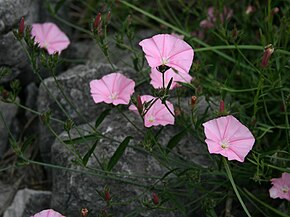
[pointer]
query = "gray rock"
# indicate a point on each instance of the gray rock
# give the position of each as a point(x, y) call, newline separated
point(75, 190)
point(75, 85)
point(28, 202)
point(8, 111)
point(11, 53)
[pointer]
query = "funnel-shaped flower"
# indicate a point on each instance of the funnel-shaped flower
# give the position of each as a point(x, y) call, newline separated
point(168, 50)
point(50, 37)
point(281, 187)
point(48, 213)
point(228, 137)
point(157, 80)
point(114, 88)
point(157, 114)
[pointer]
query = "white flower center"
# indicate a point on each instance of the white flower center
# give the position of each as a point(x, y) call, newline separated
point(224, 144)
point(165, 61)
point(285, 189)
point(113, 96)
point(151, 119)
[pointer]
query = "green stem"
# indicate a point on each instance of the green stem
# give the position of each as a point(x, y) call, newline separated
point(228, 170)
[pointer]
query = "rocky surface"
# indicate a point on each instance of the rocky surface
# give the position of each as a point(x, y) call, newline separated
point(8, 111)
point(27, 202)
point(11, 53)
point(75, 190)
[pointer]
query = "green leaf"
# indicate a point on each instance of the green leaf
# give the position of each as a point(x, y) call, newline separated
point(175, 140)
point(89, 153)
point(27, 142)
point(188, 85)
point(82, 139)
point(102, 117)
point(58, 5)
point(118, 153)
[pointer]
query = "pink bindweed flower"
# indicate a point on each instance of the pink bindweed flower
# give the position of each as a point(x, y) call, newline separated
point(48, 213)
point(50, 37)
point(168, 50)
point(228, 137)
point(113, 88)
point(156, 113)
point(213, 16)
point(157, 80)
point(281, 187)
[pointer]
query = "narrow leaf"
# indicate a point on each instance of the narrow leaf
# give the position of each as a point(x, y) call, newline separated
point(81, 139)
point(58, 5)
point(118, 153)
point(175, 140)
point(27, 142)
point(102, 117)
point(89, 153)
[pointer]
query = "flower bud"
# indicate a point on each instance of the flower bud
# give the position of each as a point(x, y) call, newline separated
point(84, 212)
point(222, 106)
point(108, 17)
point(155, 198)
point(250, 9)
point(97, 22)
point(139, 104)
point(267, 54)
point(21, 27)
point(107, 196)
point(193, 101)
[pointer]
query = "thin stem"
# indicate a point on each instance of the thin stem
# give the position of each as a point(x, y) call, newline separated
point(235, 187)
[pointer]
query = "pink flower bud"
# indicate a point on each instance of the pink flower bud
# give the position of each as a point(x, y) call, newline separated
point(193, 101)
point(98, 20)
point(155, 198)
point(21, 27)
point(267, 54)
point(250, 9)
point(222, 106)
point(84, 212)
point(275, 11)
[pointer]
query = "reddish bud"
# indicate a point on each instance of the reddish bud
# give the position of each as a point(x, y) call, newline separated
point(193, 101)
point(21, 27)
point(84, 212)
point(155, 198)
point(267, 54)
point(5, 94)
point(98, 20)
point(222, 106)
point(108, 16)
point(275, 11)
point(139, 104)
point(107, 196)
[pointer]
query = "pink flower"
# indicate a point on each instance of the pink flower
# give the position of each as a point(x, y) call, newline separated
point(228, 137)
point(48, 213)
point(114, 88)
point(212, 17)
point(281, 187)
point(157, 80)
point(50, 37)
point(157, 114)
point(168, 50)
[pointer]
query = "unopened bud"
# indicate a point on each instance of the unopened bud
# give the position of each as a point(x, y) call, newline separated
point(250, 9)
point(97, 22)
point(222, 106)
point(139, 104)
point(84, 212)
point(193, 101)
point(21, 27)
point(267, 54)
point(108, 16)
point(107, 195)
point(155, 198)
point(275, 11)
